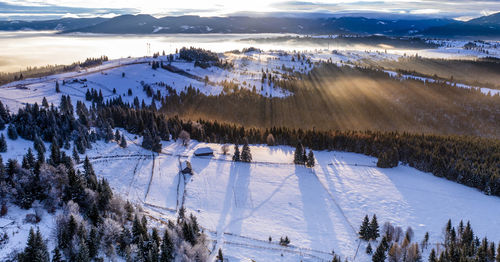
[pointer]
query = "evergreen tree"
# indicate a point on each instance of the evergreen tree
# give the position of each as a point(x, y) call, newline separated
point(117, 136)
point(39, 145)
point(3, 144)
point(497, 259)
point(12, 132)
point(369, 249)
point(298, 157)
point(76, 156)
point(105, 195)
point(364, 229)
point(373, 229)
point(246, 155)
point(310, 159)
point(432, 256)
point(55, 153)
point(83, 252)
point(30, 159)
point(379, 255)
point(236, 156)
point(89, 173)
point(123, 142)
point(56, 257)
point(93, 243)
point(45, 103)
point(167, 248)
point(58, 90)
point(220, 257)
point(36, 250)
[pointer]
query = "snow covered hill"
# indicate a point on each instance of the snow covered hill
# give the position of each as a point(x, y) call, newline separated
point(241, 205)
point(246, 207)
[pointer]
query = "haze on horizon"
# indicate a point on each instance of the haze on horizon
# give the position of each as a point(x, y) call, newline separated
point(52, 9)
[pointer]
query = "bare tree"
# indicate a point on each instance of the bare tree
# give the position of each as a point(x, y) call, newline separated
point(225, 149)
point(185, 138)
point(270, 140)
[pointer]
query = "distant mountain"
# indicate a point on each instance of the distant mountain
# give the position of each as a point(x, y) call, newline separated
point(493, 19)
point(487, 26)
point(146, 24)
point(57, 24)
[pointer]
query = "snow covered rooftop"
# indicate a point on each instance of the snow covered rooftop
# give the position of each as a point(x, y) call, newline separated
point(203, 151)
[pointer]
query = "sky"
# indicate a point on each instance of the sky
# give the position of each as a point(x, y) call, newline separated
point(45, 9)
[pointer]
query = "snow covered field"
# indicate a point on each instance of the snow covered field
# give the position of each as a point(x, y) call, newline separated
point(241, 205)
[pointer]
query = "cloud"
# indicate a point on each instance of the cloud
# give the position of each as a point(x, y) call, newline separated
point(36, 11)
point(412, 8)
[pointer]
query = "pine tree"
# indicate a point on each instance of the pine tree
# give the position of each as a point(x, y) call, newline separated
point(76, 156)
point(432, 256)
point(57, 257)
point(39, 145)
point(379, 255)
point(298, 157)
point(117, 136)
point(123, 142)
point(369, 249)
point(35, 250)
point(310, 159)
point(246, 155)
point(89, 173)
point(55, 153)
point(3, 144)
point(373, 229)
point(167, 248)
point(497, 259)
point(236, 156)
point(45, 103)
point(364, 229)
point(58, 90)
point(83, 252)
point(30, 159)
point(12, 132)
point(220, 257)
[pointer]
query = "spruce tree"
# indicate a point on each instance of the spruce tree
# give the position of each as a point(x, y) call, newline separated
point(497, 259)
point(56, 257)
point(83, 252)
point(117, 136)
point(369, 249)
point(220, 257)
point(89, 174)
point(12, 132)
point(236, 156)
point(167, 248)
point(45, 103)
point(380, 253)
point(3, 144)
point(58, 90)
point(36, 250)
point(123, 142)
point(310, 159)
point(373, 229)
point(432, 256)
point(364, 229)
point(76, 156)
point(298, 157)
point(246, 155)
point(55, 153)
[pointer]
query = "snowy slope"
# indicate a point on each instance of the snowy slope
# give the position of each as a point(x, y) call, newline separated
point(240, 205)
